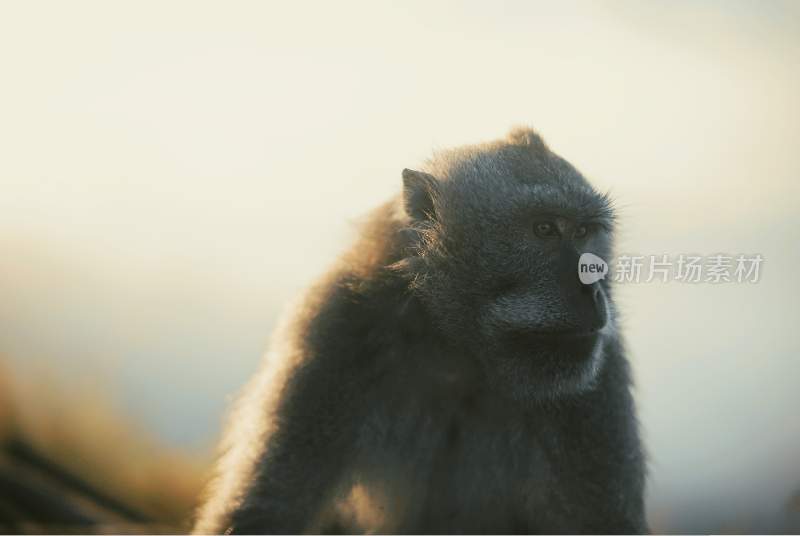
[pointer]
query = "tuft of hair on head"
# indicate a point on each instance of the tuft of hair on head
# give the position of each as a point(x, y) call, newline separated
point(526, 136)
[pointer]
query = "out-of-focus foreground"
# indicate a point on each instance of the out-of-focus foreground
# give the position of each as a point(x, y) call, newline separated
point(73, 465)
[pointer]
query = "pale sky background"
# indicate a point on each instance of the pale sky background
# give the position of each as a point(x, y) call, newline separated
point(171, 173)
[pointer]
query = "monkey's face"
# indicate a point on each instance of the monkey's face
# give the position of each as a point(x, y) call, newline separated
point(544, 330)
point(499, 273)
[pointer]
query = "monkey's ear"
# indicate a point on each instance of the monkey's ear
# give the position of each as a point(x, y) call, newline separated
point(419, 188)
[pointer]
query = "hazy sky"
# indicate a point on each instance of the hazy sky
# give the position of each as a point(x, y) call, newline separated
point(171, 174)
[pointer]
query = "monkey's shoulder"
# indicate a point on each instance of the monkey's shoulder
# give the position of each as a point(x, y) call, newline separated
point(349, 317)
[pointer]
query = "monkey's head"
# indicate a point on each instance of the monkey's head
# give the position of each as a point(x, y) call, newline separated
point(495, 234)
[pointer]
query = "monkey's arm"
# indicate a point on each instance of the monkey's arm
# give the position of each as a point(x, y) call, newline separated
point(305, 457)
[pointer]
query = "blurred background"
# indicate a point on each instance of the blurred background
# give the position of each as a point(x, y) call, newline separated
point(171, 174)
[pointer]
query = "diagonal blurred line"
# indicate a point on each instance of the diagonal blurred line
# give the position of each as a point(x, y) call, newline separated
point(23, 453)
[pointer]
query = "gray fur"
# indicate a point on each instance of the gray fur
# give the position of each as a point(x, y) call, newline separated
point(450, 374)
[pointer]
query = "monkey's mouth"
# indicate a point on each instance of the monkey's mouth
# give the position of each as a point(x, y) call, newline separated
point(572, 342)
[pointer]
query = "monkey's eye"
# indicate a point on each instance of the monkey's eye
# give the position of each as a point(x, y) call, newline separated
point(545, 229)
point(581, 231)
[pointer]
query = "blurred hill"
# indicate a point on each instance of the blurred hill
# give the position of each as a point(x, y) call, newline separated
point(75, 465)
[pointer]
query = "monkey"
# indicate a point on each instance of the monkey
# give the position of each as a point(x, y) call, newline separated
point(450, 374)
